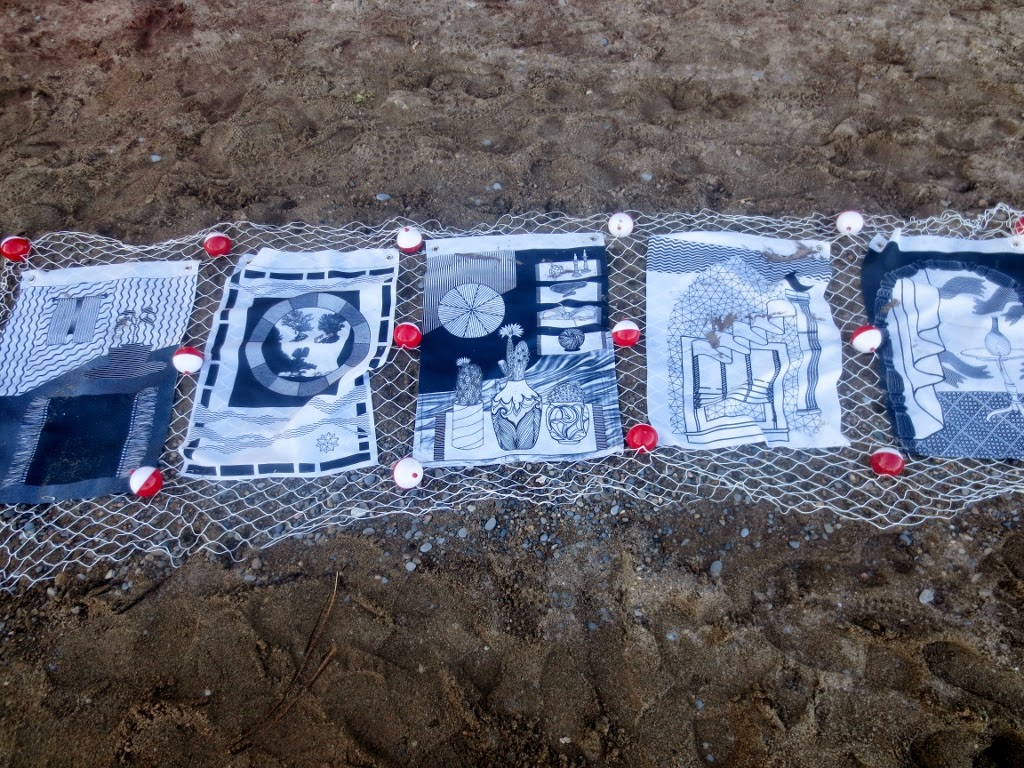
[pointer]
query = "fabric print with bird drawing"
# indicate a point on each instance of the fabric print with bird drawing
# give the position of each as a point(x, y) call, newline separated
point(953, 355)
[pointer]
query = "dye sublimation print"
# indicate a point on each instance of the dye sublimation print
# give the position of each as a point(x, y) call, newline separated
point(953, 356)
point(516, 361)
point(741, 347)
point(87, 385)
point(286, 388)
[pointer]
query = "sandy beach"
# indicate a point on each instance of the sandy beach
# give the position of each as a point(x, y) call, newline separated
point(573, 635)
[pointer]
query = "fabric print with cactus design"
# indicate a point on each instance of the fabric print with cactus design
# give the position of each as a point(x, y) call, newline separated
point(539, 385)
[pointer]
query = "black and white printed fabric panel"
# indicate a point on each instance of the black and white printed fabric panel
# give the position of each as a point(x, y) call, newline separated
point(286, 387)
point(88, 385)
point(516, 362)
point(741, 345)
point(952, 358)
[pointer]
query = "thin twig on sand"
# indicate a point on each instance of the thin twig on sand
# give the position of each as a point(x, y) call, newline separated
point(294, 689)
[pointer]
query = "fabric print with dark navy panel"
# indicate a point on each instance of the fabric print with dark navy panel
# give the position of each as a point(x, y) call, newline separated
point(952, 359)
point(516, 361)
point(88, 385)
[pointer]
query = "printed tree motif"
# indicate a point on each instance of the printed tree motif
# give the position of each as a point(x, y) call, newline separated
point(331, 325)
point(300, 322)
point(129, 324)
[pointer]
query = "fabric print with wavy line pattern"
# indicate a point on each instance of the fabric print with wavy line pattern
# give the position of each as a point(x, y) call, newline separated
point(741, 344)
point(88, 386)
point(286, 390)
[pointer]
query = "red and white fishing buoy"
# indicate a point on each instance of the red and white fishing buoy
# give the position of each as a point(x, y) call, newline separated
point(15, 248)
point(146, 481)
point(217, 244)
point(620, 225)
point(409, 240)
point(867, 338)
point(408, 473)
point(187, 360)
point(408, 335)
point(625, 333)
point(849, 223)
point(887, 461)
point(1018, 226)
point(642, 438)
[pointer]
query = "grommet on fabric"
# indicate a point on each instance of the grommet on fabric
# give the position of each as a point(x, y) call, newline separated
point(187, 360)
point(217, 244)
point(620, 225)
point(887, 461)
point(408, 473)
point(849, 223)
point(409, 240)
point(146, 481)
point(15, 248)
point(867, 338)
point(408, 335)
point(642, 438)
point(625, 333)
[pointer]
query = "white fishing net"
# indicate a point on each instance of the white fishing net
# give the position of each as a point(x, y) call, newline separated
point(36, 541)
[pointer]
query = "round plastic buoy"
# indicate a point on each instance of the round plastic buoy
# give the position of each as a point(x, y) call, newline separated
point(15, 248)
point(408, 335)
point(146, 481)
point(187, 360)
point(625, 333)
point(867, 338)
point(217, 244)
point(642, 437)
point(849, 223)
point(886, 461)
point(408, 473)
point(1018, 226)
point(409, 240)
point(620, 225)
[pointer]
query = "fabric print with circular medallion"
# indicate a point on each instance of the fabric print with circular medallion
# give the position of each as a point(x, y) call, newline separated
point(303, 345)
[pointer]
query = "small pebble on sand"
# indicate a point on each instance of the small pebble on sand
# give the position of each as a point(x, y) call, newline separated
point(716, 568)
point(463, 533)
point(795, 544)
point(410, 566)
point(490, 524)
point(926, 596)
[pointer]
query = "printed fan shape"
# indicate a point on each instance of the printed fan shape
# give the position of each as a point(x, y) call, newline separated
point(471, 310)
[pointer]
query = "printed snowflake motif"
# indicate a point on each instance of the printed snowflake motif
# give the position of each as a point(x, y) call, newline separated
point(327, 442)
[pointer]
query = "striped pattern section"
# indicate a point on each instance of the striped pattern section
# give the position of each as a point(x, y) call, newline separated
point(28, 438)
point(440, 426)
point(133, 455)
point(667, 254)
point(495, 269)
point(74, 320)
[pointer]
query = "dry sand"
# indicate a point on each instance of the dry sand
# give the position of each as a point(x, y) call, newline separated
point(145, 120)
